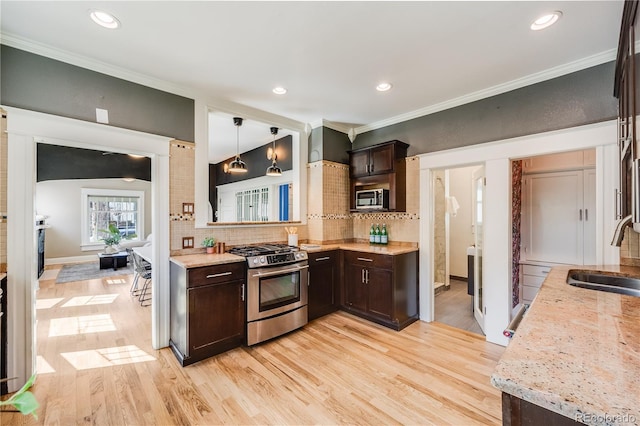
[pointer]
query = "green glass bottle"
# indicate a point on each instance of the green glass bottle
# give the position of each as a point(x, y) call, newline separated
point(372, 236)
point(377, 234)
point(384, 237)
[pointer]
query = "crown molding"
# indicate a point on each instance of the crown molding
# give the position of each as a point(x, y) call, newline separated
point(338, 127)
point(549, 74)
point(93, 64)
point(145, 80)
point(118, 72)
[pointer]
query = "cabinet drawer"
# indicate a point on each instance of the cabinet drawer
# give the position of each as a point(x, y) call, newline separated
point(368, 259)
point(532, 281)
point(537, 270)
point(216, 274)
point(321, 257)
point(528, 292)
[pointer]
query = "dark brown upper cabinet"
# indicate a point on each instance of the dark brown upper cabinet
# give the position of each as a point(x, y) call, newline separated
point(380, 166)
point(378, 159)
point(625, 89)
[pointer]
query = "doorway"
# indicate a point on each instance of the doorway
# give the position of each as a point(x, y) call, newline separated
point(25, 130)
point(455, 242)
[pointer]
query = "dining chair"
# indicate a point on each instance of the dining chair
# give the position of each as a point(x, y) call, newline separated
point(143, 270)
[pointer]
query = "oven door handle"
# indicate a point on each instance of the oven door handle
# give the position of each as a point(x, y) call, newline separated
point(280, 271)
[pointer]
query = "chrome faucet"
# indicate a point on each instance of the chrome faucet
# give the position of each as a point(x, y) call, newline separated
point(619, 234)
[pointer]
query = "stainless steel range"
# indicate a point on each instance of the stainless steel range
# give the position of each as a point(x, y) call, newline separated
point(277, 289)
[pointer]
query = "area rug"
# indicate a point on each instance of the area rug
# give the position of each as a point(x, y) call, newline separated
point(89, 271)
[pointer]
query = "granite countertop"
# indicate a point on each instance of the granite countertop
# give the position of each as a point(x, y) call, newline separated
point(577, 352)
point(391, 249)
point(203, 259)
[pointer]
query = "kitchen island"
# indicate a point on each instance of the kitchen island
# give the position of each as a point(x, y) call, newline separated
point(576, 353)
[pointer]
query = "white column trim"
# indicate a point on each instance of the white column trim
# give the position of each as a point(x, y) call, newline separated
point(496, 156)
point(25, 129)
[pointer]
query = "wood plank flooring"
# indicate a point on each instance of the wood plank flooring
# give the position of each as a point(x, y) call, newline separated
point(453, 307)
point(96, 366)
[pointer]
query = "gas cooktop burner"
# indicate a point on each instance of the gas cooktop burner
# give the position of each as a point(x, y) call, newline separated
point(261, 250)
point(269, 255)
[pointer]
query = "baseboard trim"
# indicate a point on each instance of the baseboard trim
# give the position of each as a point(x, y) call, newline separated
point(455, 277)
point(72, 259)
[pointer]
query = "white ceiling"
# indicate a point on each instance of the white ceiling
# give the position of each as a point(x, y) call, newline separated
point(329, 55)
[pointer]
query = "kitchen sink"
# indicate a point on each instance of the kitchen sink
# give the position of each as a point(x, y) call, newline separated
point(603, 281)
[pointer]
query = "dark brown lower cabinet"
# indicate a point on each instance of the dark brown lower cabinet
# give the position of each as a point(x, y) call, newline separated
point(207, 310)
point(324, 279)
point(381, 288)
point(518, 412)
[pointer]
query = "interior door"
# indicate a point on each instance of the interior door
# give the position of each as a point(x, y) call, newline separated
point(589, 224)
point(478, 235)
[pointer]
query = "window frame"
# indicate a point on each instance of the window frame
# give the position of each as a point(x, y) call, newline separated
point(85, 243)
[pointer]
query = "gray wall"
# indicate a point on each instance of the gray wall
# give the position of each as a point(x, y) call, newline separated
point(329, 144)
point(60, 200)
point(575, 99)
point(36, 83)
point(54, 162)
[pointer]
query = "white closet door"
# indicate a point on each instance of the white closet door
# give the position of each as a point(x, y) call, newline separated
point(554, 208)
point(589, 223)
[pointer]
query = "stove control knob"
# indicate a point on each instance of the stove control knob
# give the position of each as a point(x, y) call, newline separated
point(262, 259)
point(255, 260)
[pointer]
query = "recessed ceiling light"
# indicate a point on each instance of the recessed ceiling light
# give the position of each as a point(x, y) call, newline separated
point(546, 21)
point(104, 19)
point(383, 87)
point(279, 90)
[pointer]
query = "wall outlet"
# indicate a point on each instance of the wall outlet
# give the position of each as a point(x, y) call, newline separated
point(187, 208)
point(187, 242)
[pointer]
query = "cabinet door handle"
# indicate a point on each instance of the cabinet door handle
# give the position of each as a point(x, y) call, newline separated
point(580, 214)
point(362, 275)
point(367, 277)
point(371, 168)
point(616, 200)
point(221, 274)
point(320, 259)
point(586, 215)
point(242, 292)
point(364, 259)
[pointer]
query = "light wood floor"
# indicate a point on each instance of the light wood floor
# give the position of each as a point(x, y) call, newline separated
point(97, 367)
point(453, 307)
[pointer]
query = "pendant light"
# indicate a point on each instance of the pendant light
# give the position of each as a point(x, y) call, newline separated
point(237, 165)
point(273, 169)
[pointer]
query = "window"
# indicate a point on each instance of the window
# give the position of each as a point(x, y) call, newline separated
point(252, 205)
point(102, 207)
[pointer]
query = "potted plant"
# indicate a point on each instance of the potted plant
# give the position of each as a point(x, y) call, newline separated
point(112, 238)
point(209, 243)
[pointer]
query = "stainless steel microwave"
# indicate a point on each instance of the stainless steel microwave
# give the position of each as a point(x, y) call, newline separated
point(372, 199)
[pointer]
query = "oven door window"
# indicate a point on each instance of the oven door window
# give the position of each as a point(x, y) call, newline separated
point(279, 290)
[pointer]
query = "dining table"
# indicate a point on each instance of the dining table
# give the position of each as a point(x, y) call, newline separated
point(144, 252)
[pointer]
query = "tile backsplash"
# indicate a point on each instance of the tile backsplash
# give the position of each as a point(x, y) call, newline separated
point(181, 190)
point(630, 248)
point(328, 217)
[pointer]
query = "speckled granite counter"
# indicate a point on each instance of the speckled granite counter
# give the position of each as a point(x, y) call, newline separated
point(391, 249)
point(577, 352)
point(203, 259)
point(197, 260)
